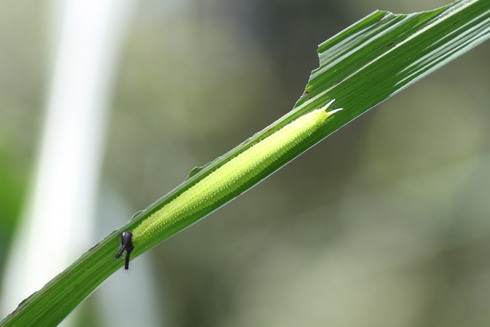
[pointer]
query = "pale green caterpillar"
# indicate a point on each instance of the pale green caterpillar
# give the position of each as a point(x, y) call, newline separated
point(227, 178)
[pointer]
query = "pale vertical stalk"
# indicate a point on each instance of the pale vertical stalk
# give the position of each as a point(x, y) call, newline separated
point(57, 224)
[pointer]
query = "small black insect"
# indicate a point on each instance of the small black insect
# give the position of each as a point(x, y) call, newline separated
point(126, 245)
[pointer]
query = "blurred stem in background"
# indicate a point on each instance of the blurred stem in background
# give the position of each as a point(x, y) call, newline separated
point(58, 220)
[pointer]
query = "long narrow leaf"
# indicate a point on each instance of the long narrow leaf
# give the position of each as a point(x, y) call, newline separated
point(360, 67)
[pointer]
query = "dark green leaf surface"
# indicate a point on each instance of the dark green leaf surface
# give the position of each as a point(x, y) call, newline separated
point(360, 67)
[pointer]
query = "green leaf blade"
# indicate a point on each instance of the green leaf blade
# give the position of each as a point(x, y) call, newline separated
point(360, 67)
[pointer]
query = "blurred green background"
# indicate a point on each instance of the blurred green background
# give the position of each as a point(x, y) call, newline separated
point(384, 224)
